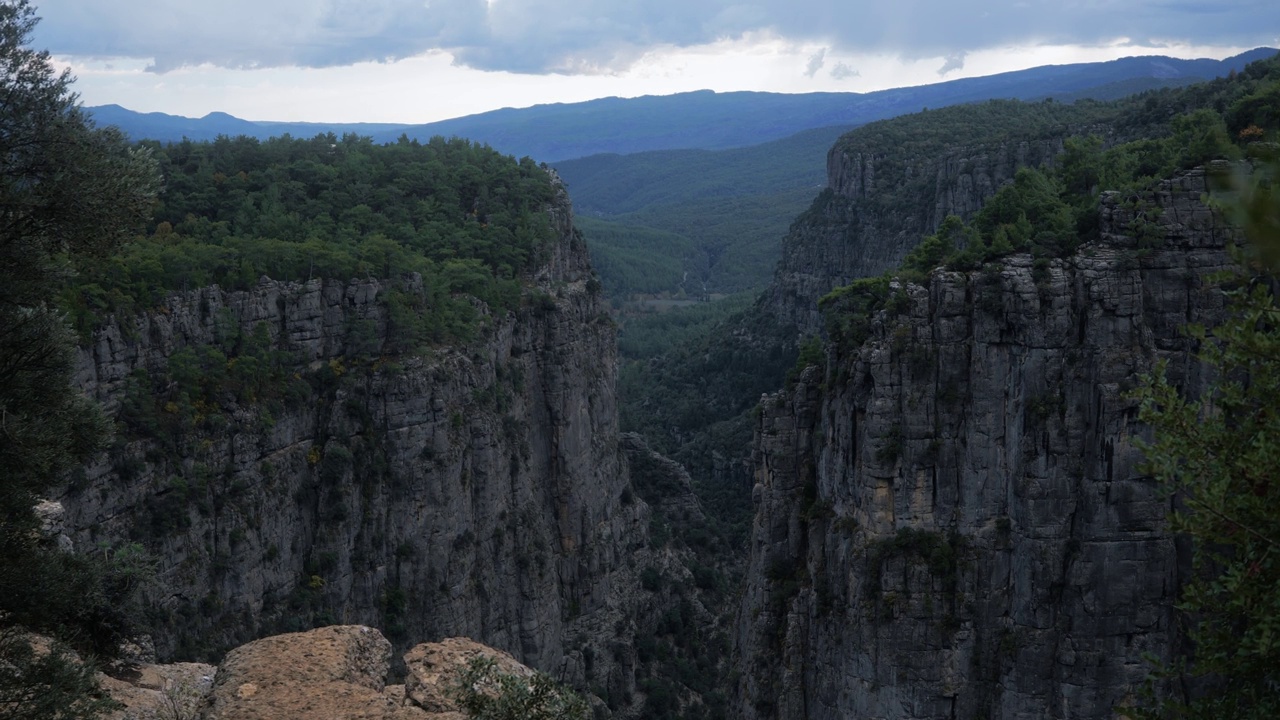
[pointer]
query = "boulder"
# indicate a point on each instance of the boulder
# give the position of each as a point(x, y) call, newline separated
point(149, 692)
point(336, 673)
point(435, 667)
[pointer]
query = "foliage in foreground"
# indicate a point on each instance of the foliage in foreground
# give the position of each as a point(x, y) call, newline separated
point(484, 692)
point(46, 683)
point(1220, 456)
point(66, 189)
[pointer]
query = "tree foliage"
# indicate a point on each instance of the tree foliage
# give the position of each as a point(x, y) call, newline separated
point(466, 219)
point(1220, 454)
point(66, 189)
point(46, 683)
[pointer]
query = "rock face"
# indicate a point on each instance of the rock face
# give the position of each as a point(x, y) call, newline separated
point(472, 490)
point(435, 667)
point(950, 521)
point(53, 529)
point(160, 692)
point(332, 672)
point(336, 673)
point(877, 207)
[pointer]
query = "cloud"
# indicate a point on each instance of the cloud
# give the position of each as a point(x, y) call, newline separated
point(954, 61)
point(604, 36)
point(843, 72)
point(815, 63)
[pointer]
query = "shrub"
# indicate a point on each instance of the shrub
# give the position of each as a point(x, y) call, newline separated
point(483, 692)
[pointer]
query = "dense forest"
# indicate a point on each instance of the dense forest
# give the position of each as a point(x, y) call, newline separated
point(694, 398)
point(703, 385)
point(693, 223)
point(465, 219)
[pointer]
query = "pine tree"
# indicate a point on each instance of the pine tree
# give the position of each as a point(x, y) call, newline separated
point(1220, 455)
point(66, 188)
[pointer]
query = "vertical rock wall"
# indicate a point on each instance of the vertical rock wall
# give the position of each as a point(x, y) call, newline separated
point(951, 522)
point(878, 207)
point(469, 491)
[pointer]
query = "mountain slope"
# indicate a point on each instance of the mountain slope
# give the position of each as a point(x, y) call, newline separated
point(701, 119)
point(723, 120)
point(952, 514)
point(613, 184)
point(173, 128)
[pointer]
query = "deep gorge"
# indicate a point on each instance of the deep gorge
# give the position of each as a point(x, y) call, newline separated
point(950, 518)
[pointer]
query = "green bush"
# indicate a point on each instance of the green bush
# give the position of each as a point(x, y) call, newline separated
point(483, 692)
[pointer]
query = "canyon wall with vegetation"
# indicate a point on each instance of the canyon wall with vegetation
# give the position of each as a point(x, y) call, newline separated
point(951, 521)
point(880, 202)
point(286, 471)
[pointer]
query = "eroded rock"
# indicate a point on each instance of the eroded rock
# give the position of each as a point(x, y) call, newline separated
point(338, 673)
point(434, 668)
point(953, 521)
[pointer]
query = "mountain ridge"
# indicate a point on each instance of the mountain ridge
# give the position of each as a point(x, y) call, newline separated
point(701, 119)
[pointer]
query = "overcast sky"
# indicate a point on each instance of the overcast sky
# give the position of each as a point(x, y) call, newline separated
point(424, 60)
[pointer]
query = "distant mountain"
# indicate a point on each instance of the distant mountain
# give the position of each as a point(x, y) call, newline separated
point(710, 120)
point(173, 128)
point(613, 184)
point(717, 215)
point(706, 119)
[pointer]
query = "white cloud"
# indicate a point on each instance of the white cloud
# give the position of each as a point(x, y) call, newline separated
point(816, 61)
point(605, 36)
point(842, 71)
point(954, 61)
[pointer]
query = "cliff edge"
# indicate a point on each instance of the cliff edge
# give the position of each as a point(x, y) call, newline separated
point(950, 519)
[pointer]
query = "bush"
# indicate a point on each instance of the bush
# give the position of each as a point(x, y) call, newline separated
point(484, 692)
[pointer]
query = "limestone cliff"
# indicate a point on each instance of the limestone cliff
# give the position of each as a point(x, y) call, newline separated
point(475, 490)
point(950, 520)
point(879, 203)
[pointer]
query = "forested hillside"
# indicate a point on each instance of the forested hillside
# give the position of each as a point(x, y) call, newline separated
point(464, 218)
point(1028, 175)
point(721, 213)
point(957, 462)
point(694, 222)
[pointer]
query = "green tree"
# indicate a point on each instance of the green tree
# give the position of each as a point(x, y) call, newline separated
point(66, 188)
point(1220, 454)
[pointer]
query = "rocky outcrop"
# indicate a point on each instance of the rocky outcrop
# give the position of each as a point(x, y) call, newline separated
point(332, 672)
point(951, 521)
point(159, 692)
point(472, 490)
point(434, 668)
point(336, 672)
point(53, 530)
point(878, 205)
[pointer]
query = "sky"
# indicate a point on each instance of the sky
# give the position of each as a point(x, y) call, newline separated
point(417, 61)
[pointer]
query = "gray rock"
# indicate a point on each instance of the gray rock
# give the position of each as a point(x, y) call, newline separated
point(952, 522)
point(52, 517)
point(482, 496)
point(871, 223)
